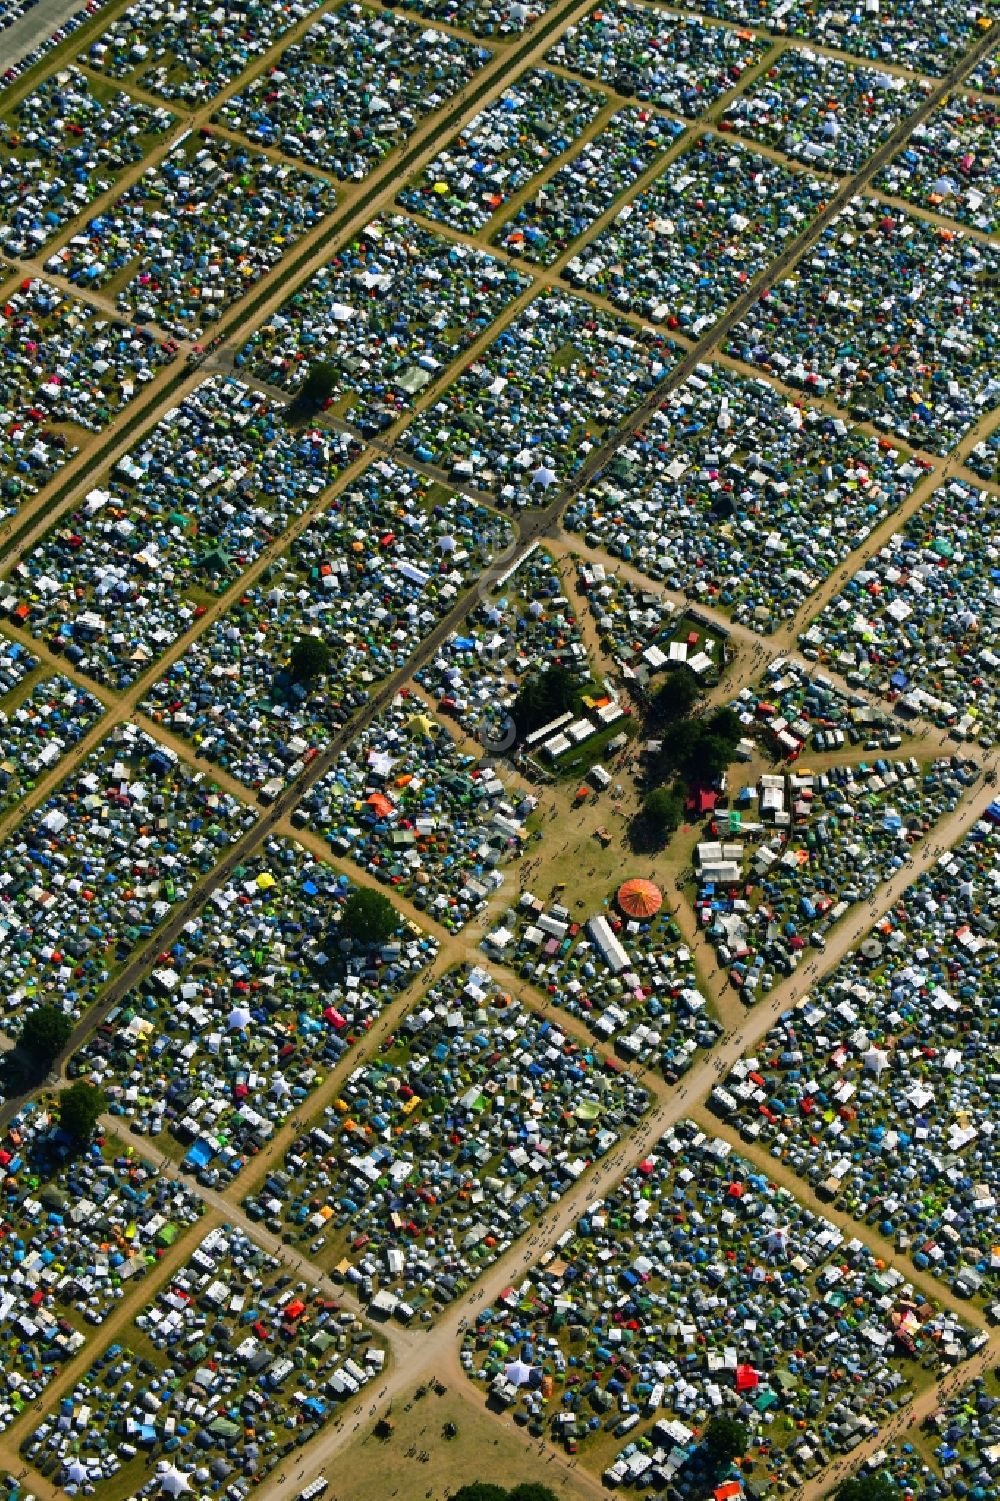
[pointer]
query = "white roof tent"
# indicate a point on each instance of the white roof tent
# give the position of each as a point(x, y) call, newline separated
point(600, 932)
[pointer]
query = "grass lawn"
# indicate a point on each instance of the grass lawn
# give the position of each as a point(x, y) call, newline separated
point(578, 760)
point(486, 1445)
point(708, 639)
point(9, 702)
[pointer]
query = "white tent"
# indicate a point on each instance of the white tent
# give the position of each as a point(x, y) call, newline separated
point(380, 763)
point(876, 1060)
point(239, 1019)
point(517, 1373)
point(173, 1483)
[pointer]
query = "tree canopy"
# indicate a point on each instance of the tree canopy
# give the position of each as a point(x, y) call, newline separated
point(368, 917)
point(309, 659)
point(663, 809)
point(699, 749)
point(674, 699)
point(542, 697)
point(45, 1032)
point(866, 1488)
point(487, 1490)
point(661, 813)
point(80, 1108)
point(726, 1438)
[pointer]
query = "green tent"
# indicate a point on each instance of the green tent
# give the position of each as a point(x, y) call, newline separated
point(224, 1428)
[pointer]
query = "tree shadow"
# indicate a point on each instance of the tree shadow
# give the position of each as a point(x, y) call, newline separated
point(21, 1071)
point(644, 837)
point(301, 412)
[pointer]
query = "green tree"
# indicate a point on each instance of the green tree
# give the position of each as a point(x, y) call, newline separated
point(660, 814)
point(866, 1488)
point(663, 810)
point(726, 723)
point(720, 735)
point(45, 1032)
point(80, 1108)
point(674, 698)
point(368, 917)
point(714, 756)
point(726, 1439)
point(542, 697)
point(699, 749)
point(309, 659)
point(678, 750)
point(480, 1490)
point(531, 1490)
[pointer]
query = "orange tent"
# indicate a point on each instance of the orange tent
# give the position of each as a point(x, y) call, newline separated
point(638, 898)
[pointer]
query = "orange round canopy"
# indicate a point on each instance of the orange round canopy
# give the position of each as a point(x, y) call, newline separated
point(638, 898)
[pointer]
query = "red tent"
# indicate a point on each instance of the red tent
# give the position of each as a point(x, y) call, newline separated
point(703, 801)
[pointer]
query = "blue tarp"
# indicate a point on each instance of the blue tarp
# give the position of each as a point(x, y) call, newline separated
point(200, 1153)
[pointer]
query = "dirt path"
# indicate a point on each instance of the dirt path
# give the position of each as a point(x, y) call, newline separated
point(903, 1424)
point(602, 663)
point(89, 296)
point(453, 948)
point(693, 132)
point(757, 651)
point(822, 48)
point(667, 1109)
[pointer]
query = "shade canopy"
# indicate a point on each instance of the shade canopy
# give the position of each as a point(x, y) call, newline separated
point(639, 898)
point(518, 1373)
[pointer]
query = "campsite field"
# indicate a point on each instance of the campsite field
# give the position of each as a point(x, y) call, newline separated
point(428, 433)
